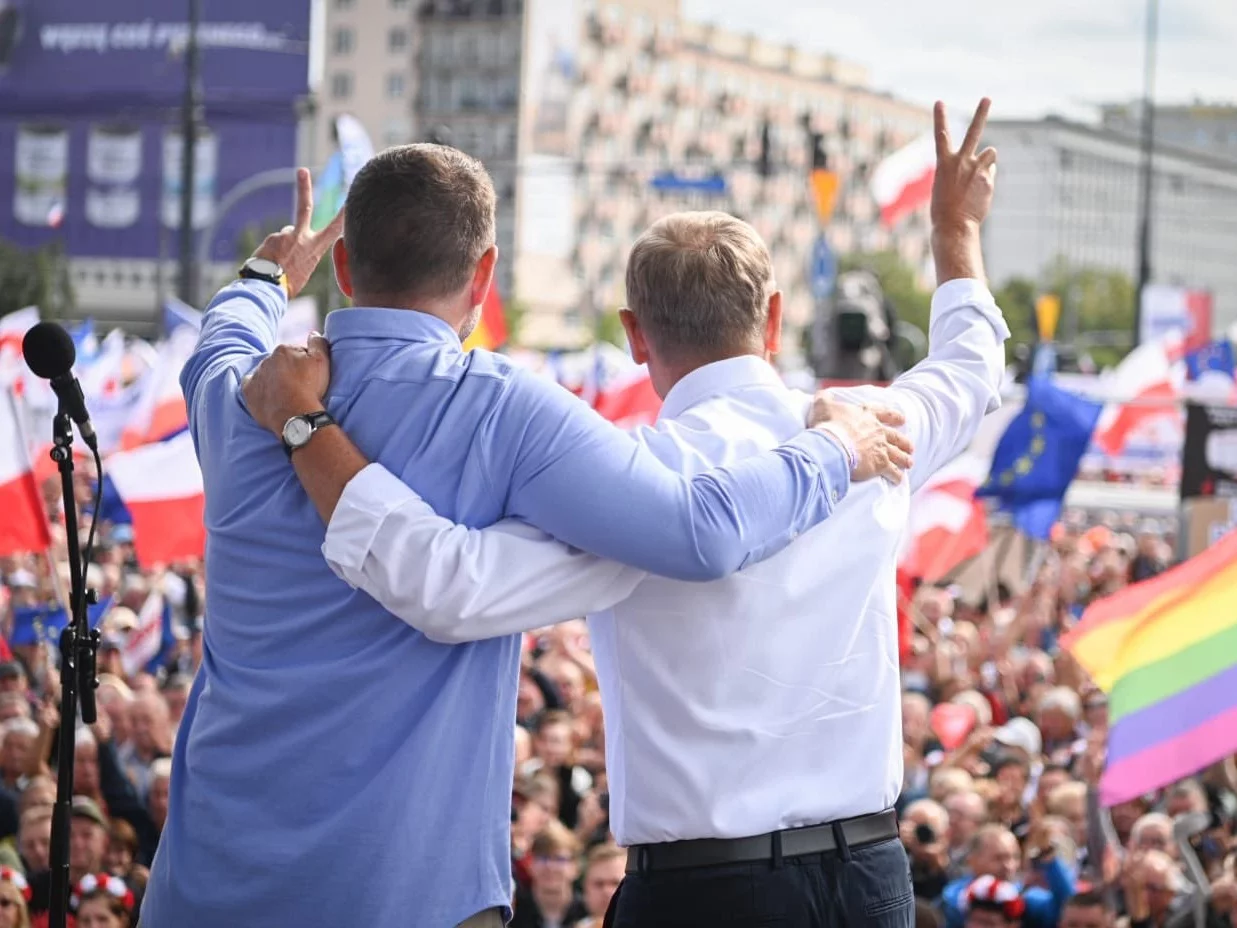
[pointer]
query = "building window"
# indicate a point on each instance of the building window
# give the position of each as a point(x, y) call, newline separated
point(341, 85)
point(344, 4)
point(345, 39)
point(399, 4)
point(397, 40)
point(396, 86)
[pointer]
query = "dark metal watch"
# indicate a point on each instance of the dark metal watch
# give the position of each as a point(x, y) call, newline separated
point(263, 269)
point(298, 430)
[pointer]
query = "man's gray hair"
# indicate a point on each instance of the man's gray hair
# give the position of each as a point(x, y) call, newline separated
point(1063, 699)
point(19, 726)
point(699, 284)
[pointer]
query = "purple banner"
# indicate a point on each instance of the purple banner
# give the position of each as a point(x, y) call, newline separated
point(127, 56)
point(90, 97)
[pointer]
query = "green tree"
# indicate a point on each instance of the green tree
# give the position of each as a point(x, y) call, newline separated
point(514, 314)
point(1017, 301)
point(1093, 301)
point(610, 329)
point(37, 277)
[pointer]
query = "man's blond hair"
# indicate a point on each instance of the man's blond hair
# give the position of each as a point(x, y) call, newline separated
point(699, 284)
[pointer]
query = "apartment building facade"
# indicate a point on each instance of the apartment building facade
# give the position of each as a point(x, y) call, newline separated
point(596, 118)
point(369, 54)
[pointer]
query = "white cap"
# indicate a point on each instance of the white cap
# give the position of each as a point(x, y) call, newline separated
point(1022, 734)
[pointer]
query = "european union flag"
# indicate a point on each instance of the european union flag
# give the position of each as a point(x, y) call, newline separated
point(1037, 457)
point(32, 624)
point(1214, 356)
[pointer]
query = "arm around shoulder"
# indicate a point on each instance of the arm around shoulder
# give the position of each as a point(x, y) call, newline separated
point(456, 584)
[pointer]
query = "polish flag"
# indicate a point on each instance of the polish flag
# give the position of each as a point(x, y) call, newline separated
point(629, 401)
point(161, 486)
point(23, 523)
point(906, 631)
point(1148, 382)
point(160, 411)
point(145, 639)
point(948, 525)
point(902, 183)
point(13, 329)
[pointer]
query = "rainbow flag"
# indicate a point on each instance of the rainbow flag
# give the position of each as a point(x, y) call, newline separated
point(491, 331)
point(1165, 651)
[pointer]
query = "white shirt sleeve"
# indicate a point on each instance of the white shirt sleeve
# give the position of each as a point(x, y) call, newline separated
point(946, 395)
point(457, 584)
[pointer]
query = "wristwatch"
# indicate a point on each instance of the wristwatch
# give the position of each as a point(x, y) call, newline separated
point(298, 430)
point(264, 269)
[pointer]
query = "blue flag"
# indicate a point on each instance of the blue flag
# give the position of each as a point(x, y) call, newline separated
point(178, 315)
point(1037, 457)
point(32, 624)
point(85, 341)
point(1215, 356)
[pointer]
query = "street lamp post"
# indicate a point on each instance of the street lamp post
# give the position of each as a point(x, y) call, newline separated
point(1146, 204)
point(190, 116)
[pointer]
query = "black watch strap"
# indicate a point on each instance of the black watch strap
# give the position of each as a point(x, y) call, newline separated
point(316, 420)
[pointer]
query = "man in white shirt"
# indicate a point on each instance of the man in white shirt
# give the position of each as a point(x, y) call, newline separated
point(754, 748)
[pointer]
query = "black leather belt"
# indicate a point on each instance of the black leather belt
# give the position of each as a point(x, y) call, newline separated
point(711, 852)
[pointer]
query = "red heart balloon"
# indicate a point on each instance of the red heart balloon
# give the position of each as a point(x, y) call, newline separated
point(951, 723)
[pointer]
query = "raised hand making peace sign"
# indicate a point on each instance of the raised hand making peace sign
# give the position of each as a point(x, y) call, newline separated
point(961, 198)
point(297, 248)
point(962, 191)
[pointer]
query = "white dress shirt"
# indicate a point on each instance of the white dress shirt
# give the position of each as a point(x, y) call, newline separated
point(763, 701)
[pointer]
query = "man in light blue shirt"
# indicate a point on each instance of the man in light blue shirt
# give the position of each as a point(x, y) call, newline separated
point(333, 766)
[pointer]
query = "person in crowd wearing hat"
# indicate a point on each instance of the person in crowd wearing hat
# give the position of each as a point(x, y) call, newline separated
point(102, 900)
point(996, 854)
point(992, 903)
point(14, 899)
point(88, 837)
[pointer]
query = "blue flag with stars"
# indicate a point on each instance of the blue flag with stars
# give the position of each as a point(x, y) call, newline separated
point(33, 624)
point(1037, 457)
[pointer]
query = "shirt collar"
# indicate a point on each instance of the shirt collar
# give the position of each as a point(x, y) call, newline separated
point(715, 379)
point(408, 325)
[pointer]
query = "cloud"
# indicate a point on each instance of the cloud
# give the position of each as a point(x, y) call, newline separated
point(1050, 56)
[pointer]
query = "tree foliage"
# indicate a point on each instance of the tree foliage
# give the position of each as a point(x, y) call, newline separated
point(610, 329)
point(35, 277)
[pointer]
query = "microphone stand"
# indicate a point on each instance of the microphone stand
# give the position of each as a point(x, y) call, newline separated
point(78, 650)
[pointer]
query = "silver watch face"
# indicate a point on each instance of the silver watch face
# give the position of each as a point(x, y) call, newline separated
point(265, 267)
point(297, 431)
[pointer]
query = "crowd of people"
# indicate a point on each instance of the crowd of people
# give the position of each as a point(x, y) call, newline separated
point(1004, 747)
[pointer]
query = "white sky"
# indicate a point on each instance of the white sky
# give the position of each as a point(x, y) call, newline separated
point(1033, 57)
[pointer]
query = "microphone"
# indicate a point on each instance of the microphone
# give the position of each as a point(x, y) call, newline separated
point(50, 354)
